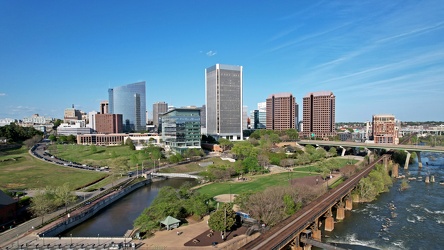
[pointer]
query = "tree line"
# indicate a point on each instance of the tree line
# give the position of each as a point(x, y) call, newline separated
point(18, 134)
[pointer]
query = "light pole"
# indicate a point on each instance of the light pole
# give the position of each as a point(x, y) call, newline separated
point(230, 193)
point(98, 239)
point(70, 235)
point(43, 237)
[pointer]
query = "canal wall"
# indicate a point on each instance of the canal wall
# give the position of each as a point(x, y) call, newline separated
point(83, 214)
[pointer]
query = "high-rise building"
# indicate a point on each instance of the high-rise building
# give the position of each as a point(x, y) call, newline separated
point(159, 108)
point(92, 120)
point(72, 114)
point(223, 100)
point(129, 100)
point(385, 129)
point(245, 117)
point(108, 123)
point(281, 113)
point(181, 128)
point(319, 114)
point(104, 107)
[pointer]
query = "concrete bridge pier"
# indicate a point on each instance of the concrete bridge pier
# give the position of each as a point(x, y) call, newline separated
point(340, 211)
point(343, 151)
point(418, 153)
point(329, 221)
point(407, 160)
point(348, 204)
point(316, 233)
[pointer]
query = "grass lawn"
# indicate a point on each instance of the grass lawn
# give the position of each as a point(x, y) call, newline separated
point(194, 166)
point(27, 172)
point(336, 162)
point(254, 184)
point(97, 155)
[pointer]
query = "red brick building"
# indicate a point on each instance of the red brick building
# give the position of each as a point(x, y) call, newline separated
point(281, 111)
point(8, 208)
point(109, 123)
point(319, 114)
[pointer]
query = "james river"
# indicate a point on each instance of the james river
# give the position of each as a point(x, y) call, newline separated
point(418, 223)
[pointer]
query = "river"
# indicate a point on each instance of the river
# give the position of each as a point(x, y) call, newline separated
point(419, 221)
point(116, 219)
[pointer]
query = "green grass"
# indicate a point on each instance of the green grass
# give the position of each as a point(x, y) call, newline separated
point(28, 172)
point(194, 166)
point(336, 162)
point(254, 184)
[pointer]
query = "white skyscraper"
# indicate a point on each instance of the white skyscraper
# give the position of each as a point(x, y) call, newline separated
point(223, 100)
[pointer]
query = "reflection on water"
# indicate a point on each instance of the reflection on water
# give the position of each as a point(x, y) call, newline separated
point(117, 218)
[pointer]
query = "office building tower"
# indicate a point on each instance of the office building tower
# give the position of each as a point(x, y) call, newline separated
point(109, 123)
point(319, 114)
point(385, 129)
point(245, 117)
point(104, 107)
point(92, 120)
point(159, 108)
point(181, 128)
point(129, 100)
point(223, 100)
point(281, 113)
point(72, 114)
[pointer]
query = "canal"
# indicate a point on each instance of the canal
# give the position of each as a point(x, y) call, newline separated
point(116, 219)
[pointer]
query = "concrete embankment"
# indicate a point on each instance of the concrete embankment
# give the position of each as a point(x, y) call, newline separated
point(81, 215)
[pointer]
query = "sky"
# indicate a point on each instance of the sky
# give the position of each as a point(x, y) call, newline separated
point(377, 57)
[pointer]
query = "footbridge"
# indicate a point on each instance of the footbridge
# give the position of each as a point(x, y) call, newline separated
point(407, 148)
point(289, 233)
point(176, 175)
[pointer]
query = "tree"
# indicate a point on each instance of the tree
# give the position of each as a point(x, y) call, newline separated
point(263, 160)
point(64, 195)
point(32, 141)
point(243, 149)
point(333, 152)
point(130, 143)
point(292, 134)
point(222, 219)
point(52, 138)
point(42, 203)
point(225, 144)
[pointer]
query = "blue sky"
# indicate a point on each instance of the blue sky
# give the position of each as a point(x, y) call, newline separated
point(377, 57)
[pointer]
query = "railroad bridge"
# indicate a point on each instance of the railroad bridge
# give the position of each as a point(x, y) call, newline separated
point(292, 233)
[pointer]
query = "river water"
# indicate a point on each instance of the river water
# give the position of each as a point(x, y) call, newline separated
point(419, 219)
point(116, 219)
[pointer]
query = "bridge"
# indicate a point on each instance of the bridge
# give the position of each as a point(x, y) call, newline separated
point(386, 146)
point(289, 233)
point(176, 175)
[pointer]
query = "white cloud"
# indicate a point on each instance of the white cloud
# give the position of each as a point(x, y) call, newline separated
point(2, 94)
point(211, 53)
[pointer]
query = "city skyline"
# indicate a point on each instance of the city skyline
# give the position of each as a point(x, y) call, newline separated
point(377, 57)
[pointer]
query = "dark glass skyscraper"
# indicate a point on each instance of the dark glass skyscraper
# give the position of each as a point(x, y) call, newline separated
point(129, 100)
point(223, 102)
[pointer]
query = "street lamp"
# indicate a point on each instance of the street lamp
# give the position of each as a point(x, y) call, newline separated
point(43, 237)
point(230, 193)
point(70, 235)
point(98, 239)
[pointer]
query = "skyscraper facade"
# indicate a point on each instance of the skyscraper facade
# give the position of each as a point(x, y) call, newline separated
point(129, 100)
point(281, 113)
point(104, 105)
point(223, 100)
point(319, 114)
point(159, 108)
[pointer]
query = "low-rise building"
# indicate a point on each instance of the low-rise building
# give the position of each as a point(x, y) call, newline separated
point(181, 129)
